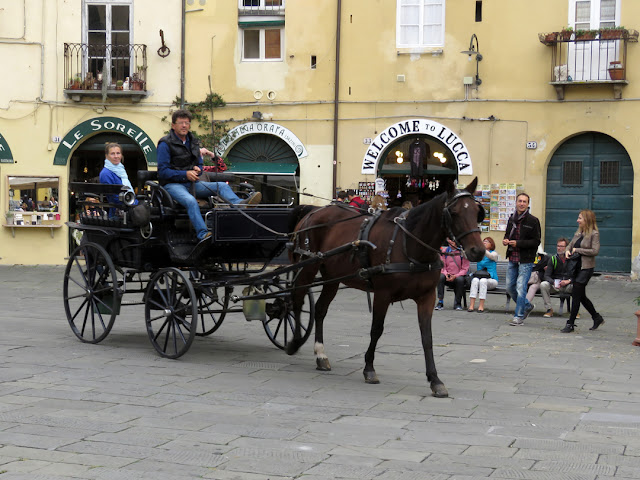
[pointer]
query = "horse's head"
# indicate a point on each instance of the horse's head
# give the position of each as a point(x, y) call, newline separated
point(461, 217)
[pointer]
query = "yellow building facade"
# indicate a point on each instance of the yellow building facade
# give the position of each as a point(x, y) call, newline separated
point(323, 96)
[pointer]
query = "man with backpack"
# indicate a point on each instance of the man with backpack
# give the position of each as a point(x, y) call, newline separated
point(355, 200)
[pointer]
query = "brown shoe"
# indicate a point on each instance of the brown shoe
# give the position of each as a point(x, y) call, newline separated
point(252, 199)
point(549, 313)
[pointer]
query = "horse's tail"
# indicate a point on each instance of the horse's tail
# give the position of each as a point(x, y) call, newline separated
point(297, 214)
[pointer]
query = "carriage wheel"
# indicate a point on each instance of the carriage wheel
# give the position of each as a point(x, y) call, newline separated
point(280, 321)
point(211, 307)
point(170, 309)
point(90, 293)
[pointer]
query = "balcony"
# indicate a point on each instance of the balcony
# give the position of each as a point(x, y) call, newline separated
point(262, 8)
point(593, 57)
point(103, 71)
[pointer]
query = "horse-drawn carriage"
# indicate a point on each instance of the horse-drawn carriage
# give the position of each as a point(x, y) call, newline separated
point(185, 285)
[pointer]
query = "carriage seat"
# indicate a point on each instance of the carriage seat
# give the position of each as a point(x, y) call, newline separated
point(161, 198)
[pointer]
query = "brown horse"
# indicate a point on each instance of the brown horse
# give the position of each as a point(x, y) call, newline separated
point(403, 263)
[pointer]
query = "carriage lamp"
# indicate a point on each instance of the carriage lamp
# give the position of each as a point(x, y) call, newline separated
point(474, 50)
point(399, 156)
point(127, 197)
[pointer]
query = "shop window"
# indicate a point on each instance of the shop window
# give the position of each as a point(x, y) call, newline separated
point(610, 173)
point(107, 32)
point(420, 23)
point(572, 173)
point(33, 194)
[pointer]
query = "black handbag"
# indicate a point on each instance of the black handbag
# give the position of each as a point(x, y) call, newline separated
point(482, 274)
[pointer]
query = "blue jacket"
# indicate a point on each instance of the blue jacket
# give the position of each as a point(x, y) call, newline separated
point(490, 265)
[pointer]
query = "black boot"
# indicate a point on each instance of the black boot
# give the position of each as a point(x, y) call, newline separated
point(597, 321)
point(568, 328)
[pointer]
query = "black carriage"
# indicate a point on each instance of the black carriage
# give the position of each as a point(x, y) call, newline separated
point(149, 253)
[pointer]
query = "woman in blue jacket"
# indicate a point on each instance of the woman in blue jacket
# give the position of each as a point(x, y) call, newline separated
point(479, 286)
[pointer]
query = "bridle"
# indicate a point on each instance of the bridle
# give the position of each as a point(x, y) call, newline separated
point(447, 220)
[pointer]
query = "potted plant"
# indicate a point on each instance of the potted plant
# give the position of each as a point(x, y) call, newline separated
point(9, 216)
point(88, 81)
point(586, 34)
point(74, 83)
point(119, 84)
point(612, 33)
point(548, 38)
point(565, 34)
point(136, 82)
point(616, 70)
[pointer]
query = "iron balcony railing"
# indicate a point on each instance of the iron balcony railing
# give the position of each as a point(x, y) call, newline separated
point(105, 67)
point(264, 7)
point(588, 57)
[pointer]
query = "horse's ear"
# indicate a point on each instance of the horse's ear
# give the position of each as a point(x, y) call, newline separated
point(450, 186)
point(472, 186)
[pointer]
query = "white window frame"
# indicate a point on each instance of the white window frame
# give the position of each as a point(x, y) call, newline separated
point(586, 68)
point(595, 13)
point(85, 30)
point(421, 42)
point(262, 44)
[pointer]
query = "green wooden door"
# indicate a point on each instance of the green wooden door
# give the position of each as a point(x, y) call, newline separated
point(592, 171)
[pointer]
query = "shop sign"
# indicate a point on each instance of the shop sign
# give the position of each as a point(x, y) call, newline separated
point(5, 151)
point(87, 129)
point(417, 126)
point(252, 128)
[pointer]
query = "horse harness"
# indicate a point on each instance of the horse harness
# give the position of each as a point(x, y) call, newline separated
point(362, 245)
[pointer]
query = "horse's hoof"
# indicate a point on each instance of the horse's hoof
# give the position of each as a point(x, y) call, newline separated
point(323, 364)
point(439, 391)
point(371, 377)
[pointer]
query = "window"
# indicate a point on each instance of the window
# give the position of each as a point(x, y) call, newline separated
point(420, 23)
point(262, 44)
point(610, 173)
point(261, 6)
point(572, 173)
point(107, 32)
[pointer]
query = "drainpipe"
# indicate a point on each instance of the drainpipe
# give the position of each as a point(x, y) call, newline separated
point(183, 41)
point(336, 100)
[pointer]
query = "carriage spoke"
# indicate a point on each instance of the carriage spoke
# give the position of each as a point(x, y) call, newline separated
point(79, 308)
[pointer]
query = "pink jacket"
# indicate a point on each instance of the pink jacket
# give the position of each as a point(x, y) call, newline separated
point(454, 265)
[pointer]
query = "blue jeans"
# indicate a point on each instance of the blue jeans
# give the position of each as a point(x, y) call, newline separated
point(517, 278)
point(180, 192)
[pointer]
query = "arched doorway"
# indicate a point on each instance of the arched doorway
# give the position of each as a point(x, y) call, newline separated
point(416, 168)
point(592, 171)
point(417, 158)
point(269, 163)
point(87, 160)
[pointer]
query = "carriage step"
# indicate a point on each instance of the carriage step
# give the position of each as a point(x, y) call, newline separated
point(131, 302)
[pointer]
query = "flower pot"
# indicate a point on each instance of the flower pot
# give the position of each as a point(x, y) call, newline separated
point(616, 70)
point(636, 342)
point(565, 35)
point(611, 34)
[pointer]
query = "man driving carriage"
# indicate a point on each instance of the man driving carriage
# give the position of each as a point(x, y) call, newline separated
point(179, 169)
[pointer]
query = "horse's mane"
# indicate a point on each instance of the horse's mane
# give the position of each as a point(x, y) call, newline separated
point(424, 210)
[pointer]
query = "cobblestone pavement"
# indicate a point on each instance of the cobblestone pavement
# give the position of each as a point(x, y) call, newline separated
point(525, 402)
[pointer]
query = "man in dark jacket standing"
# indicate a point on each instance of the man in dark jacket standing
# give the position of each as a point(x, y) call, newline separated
point(179, 169)
point(522, 238)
